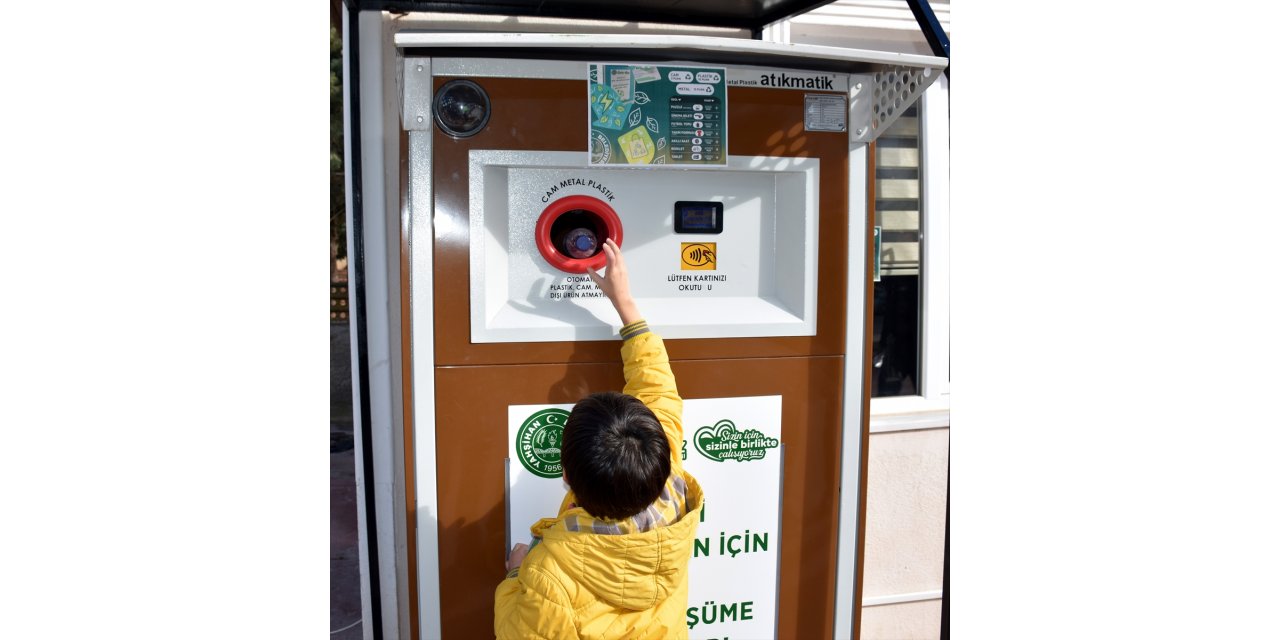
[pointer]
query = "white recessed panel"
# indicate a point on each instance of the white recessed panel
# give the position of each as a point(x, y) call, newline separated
point(764, 281)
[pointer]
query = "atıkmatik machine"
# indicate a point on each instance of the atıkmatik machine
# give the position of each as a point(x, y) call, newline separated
point(733, 173)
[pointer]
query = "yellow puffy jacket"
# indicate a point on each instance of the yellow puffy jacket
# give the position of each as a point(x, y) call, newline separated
point(580, 584)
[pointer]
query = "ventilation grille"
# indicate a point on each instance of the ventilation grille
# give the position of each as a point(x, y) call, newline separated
point(895, 90)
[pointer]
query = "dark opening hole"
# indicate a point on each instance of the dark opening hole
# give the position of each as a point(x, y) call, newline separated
point(577, 219)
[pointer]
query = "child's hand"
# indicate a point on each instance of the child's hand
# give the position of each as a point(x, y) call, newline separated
point(517, 555)
point(615, 284)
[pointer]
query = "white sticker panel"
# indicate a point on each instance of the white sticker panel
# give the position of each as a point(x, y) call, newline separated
point(733, 447)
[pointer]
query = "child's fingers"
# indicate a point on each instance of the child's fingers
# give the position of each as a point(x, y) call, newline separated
point(610, 251)
point(597, 278)
point(615, 252)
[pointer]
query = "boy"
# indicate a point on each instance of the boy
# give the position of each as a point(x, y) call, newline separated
point(615, 562)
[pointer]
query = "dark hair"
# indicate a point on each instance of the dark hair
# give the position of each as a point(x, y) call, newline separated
point(615, 455)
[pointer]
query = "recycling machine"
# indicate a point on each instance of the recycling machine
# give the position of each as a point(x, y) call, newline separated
point(733, 173)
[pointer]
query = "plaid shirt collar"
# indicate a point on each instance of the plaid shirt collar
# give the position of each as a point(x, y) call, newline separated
point(665, 511)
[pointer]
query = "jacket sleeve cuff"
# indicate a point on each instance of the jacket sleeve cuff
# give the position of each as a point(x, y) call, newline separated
point(634, 329)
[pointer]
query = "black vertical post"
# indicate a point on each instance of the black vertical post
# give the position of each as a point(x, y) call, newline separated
point(356, 253)
point(938, 41)
point(946, 560)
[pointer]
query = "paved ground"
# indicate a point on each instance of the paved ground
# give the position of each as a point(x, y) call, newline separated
point(344, 559)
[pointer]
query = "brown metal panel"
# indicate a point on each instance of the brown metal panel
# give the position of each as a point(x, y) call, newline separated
point(550, 115)
point(471, 400)
point(471, 440)
point(471, 448)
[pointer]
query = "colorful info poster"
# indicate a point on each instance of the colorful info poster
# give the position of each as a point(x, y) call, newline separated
point(733, 447)
point(657, 115)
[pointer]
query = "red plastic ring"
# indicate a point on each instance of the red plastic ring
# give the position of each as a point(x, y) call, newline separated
point(542, 232)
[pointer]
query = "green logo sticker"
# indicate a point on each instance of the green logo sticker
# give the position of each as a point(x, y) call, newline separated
point(538, 442)
point(724, 442)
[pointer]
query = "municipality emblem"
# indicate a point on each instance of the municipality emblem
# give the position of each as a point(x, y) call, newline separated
point(723, 442)
point(538, 442)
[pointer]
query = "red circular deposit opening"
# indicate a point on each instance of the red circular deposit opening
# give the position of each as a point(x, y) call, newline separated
point(571, 231)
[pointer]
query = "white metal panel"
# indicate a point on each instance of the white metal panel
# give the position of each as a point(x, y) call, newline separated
point(422, 351)
point(767, 251)
point(511, 68)
point(890, 93)
point(853, 418)
point(416, 87)
point(800, 54)
point(736, 75)
point(935, 174)
point(388, 106)
point(377, 319)
point(473, 22)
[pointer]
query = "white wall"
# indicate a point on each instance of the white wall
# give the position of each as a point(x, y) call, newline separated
point(905, 534)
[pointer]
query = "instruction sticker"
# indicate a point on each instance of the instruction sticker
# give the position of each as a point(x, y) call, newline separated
point(825, 113)
point(643, 115)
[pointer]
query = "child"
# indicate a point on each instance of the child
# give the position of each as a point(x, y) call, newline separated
point(615, 562)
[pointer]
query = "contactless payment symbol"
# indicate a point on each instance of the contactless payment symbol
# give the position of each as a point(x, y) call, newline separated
point(538, 442)
point(697, 256)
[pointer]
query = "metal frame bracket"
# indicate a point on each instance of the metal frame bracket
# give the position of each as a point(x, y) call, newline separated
point(876, 100)
point(415, 108)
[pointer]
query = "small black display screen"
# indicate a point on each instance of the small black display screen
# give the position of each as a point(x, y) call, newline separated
point(699, 217)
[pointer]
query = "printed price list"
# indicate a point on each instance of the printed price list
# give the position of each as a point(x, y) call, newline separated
point(697, 129)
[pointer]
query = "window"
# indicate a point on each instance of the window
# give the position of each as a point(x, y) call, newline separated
point(895, 364)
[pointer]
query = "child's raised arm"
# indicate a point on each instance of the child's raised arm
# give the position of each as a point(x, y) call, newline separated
point(614, 283)
point(644, 357)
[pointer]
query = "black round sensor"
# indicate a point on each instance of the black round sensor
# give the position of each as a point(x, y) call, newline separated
point(461, 108)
